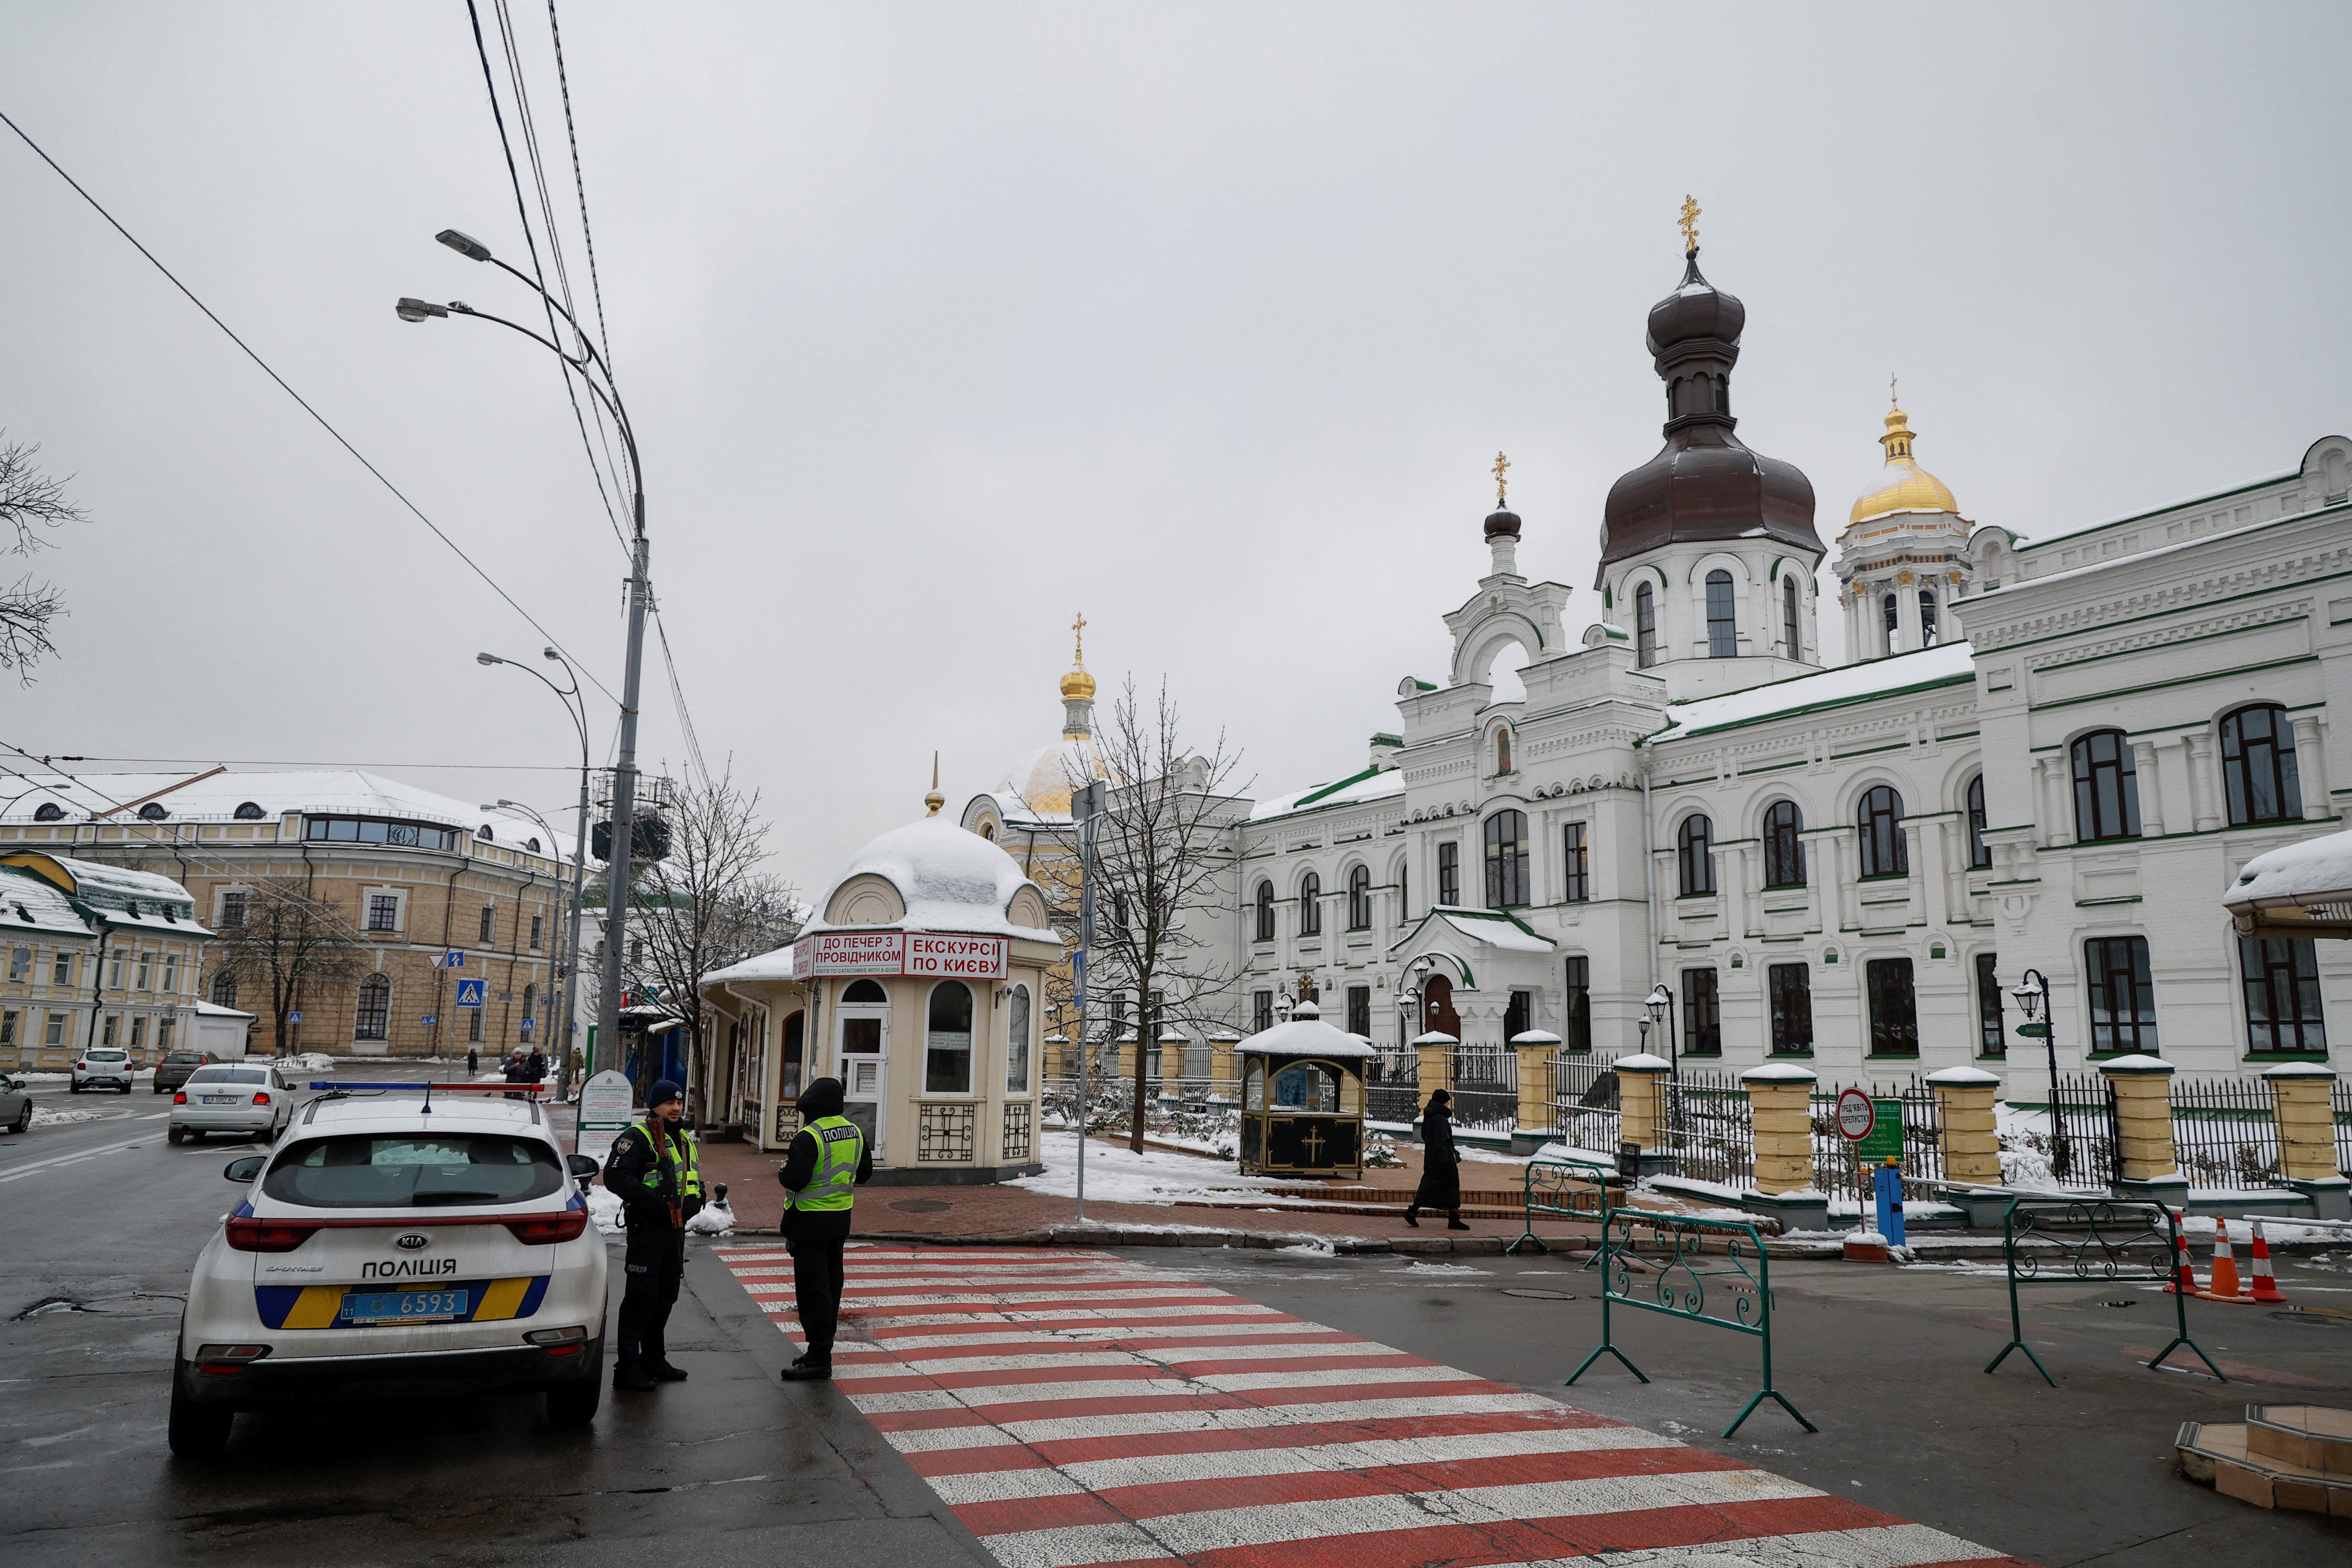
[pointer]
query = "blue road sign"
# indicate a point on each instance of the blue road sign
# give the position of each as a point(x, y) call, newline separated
point(293, 1017)
point(454, 959)
point(526, 1026)
point(469, 992)
point(430, 1019)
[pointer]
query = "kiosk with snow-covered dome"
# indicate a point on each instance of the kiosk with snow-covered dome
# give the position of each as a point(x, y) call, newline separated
point(924, 976)
point(1303, 1098)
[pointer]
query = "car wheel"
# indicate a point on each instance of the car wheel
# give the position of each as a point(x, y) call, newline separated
point(572, 1406)
point(126, 1089)
point(24, 1123)
point(73, 1088)
point(173, 1135)
point(197, 1431)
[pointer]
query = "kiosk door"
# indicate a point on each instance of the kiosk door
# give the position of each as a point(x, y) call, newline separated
point(862, 1046)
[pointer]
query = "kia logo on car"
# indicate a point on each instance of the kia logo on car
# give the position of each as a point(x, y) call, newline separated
point(412, 1241)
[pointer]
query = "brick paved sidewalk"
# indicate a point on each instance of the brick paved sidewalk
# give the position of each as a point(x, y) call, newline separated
point(996, 1211)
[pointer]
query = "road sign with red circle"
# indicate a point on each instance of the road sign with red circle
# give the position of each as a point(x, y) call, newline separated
point(1855, 1115)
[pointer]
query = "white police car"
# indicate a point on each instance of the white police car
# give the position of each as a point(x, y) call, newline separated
point(396, 1245)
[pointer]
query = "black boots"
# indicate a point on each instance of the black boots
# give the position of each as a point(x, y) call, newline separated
point(1412, 1216)
point(1454, 1220)
point(809, 1367)
point(629, 1377)
point(662, 1372)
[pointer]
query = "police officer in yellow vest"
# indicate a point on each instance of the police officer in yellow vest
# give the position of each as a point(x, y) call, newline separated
point(652, 1170)
point(826, 1163)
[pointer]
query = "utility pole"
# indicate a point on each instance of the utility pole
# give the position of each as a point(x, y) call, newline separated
point(1085, 810)
point(624, 794)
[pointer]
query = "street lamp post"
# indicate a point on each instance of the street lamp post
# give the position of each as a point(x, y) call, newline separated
point(1661, 1003)
point(2033, 994)
point(577, 708)
point(625, 768)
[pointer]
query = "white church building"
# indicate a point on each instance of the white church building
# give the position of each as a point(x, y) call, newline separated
point(2051, 753)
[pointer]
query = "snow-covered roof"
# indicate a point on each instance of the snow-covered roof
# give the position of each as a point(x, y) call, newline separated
point(2187, 503)
point(313, 791)
point(1945, 665)
point(774, 964)
point(1488, 928)
point(1372, 783)
point(2296, 890)
point(214, 1010)
point(25, 892)
point(947, 879)
point(93, 880)
point(1304, 1037)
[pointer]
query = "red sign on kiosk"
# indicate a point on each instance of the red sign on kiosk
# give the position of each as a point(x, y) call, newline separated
point(899, 953)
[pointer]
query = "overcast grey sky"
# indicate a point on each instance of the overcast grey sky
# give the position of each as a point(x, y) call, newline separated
point(941, 322)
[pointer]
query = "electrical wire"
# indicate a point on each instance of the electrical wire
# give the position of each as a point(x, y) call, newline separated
point(678, 696)
point(572, 134)
point(304, 403)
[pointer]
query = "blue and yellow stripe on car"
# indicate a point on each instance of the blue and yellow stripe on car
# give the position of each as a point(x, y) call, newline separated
point(319, 1306)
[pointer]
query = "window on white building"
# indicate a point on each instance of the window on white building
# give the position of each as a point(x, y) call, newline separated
point(1722, 617)
point(2123, 994)
point(2106, 787)
point(1646, 627)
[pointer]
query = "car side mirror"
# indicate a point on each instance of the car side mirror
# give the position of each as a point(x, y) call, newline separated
point(582, 1165)
point(246, 1169)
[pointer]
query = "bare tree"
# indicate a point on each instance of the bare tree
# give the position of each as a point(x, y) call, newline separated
point(30, 504)
point(702, 907)
point(1160, 851)
point(288, 941)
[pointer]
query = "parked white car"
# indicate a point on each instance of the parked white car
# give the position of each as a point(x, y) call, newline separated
point(230, 1097)
point(102, 1067)
point(390, 1248)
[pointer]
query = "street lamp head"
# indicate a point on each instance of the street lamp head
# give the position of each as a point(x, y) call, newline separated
point(464, 245)
point(549, 653)
point(418, 310)
point(2029, 1001)
point(487, 659)
point(1657, 1002)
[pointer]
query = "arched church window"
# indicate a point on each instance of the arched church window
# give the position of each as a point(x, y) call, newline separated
point(1507, 859)
point(2106, 787)
point(1503, 749)
point(48, 811)
point(1784, 846)
point(1878, 827)
point(1359, 898)
point(1887, 606)
point(1695, 853)
point(1646, 627)
point(1722, 621)
point(1265, 911)
point(1790, 626)
point(1310, 906)
point(1927, 618)
point(2258, 766)
point(1980, 852)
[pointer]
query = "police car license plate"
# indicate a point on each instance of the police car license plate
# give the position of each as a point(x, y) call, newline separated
point(403, 1307)
point(220, 1099)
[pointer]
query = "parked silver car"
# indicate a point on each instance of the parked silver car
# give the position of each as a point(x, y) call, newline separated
point(16, 1105)
point(103, 1066)
point(230, 1097)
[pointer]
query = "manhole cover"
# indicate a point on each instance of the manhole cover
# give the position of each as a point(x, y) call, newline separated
point(2127, 1303)
point(919, 1205)
point(2325, 1317)
point(1542, 1295)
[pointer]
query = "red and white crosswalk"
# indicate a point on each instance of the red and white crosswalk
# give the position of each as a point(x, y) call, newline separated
point(1077, 1409)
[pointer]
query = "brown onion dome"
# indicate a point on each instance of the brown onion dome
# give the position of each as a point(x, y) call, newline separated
point(1704, 484)
point(1502, 523)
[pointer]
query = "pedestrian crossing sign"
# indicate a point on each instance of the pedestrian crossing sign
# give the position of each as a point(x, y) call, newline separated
point(469, 992)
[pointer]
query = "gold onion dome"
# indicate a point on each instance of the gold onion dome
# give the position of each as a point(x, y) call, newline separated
point(1904, 486)
point(1077, 684)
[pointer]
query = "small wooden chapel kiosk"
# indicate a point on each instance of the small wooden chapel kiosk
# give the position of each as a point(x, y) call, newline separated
point(1303, 1099)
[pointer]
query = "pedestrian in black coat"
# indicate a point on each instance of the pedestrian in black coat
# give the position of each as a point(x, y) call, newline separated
point(1441, 1167)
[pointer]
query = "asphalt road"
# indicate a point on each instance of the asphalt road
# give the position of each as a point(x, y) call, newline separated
point(1890, 1365)
point(728, 1468)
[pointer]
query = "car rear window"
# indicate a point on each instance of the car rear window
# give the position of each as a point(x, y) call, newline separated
point(420, 1169)
point(182, 1058)
point(229, 1075)
point(105, 1056)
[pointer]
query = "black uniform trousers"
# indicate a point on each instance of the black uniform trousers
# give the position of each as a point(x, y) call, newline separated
point(654, 1263)
point(815, 1241)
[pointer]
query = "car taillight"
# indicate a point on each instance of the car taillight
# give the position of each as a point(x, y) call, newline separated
point(81, 1067)
point(261, 1097)
point(545, 1230)
point(180, 1098)
point(221, 1360)
point(266, 1236)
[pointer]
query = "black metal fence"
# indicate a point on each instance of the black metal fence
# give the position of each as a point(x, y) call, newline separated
point(2225, 1134)
point(1709, 1127)
point(1584, 1108)
point(1485, 1085)
point(1392, 1088)
point(2341, 1099)
point(1923, 1135)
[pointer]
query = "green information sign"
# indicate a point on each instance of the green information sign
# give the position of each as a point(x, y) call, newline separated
point(1884, 1140)
point(2034, 1031)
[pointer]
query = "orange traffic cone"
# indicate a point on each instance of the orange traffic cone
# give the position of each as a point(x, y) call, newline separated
point(2222, 1284)
point(2265, 1282)
point(2184, 1275)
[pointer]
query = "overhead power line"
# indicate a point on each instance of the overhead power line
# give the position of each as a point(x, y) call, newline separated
point(286, 387)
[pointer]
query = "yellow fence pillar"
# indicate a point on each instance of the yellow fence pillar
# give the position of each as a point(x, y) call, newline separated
point(1781, 1111)
point(1224, 1072)
point(1536, 1050)
point(1963, 1105)
point(1638, 1078)
point(2304, 1093)
point(2146, 1165)
point(1433, 1052)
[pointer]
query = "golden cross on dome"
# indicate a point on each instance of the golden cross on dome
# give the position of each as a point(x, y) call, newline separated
point(1079, 628)
point(1891, 403)
point(1689, 224)
point(1502, 485)
point(935, 799)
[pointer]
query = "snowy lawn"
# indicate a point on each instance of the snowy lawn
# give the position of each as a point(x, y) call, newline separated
point(1116, 1174)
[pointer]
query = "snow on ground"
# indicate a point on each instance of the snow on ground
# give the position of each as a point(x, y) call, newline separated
point(44, 1117)
point(308, 1061)
point(1116, 1174)
point(604, 1211)
point(714, 1219)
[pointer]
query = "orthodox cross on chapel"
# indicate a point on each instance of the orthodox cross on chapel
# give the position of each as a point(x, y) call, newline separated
point(1078, 629)
point(1502, 485)
point(1689, 225)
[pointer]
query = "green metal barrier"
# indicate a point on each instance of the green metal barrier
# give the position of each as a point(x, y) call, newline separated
point(1547, 1193)
point(2097, 1239)
point(1680, 1287)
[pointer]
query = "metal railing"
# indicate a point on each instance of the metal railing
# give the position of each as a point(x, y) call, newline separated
point(2097, 1239)
point(1563, 1191)
point(2225, 1134)
point(1585, 1113)
point(1392, 1088)
point(1709, 1127)
point(1485, 1085)
point(2341, 1101)
point(1923, 1135)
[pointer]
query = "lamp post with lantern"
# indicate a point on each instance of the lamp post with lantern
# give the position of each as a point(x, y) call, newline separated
point(2033, 994)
